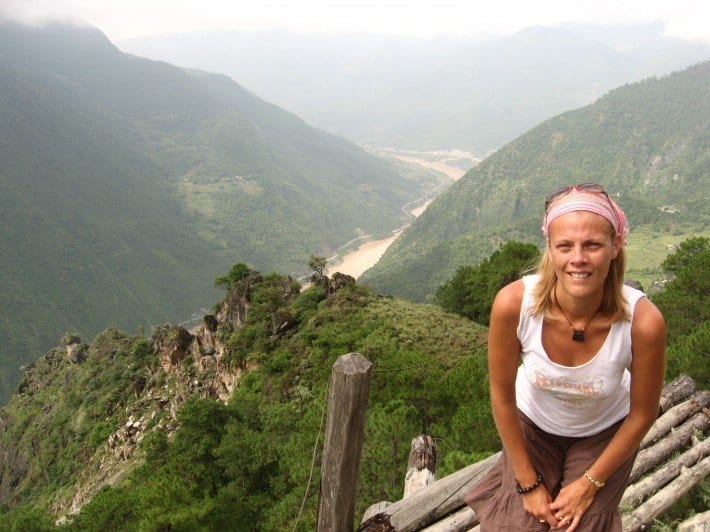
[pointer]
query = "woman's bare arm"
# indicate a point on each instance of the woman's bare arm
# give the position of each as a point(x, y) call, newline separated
point(503, 361)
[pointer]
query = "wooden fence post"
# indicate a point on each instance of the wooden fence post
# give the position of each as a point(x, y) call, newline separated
point(421, 466)
point(347, 406)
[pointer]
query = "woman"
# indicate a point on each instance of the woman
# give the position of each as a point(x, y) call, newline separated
point(572, 415)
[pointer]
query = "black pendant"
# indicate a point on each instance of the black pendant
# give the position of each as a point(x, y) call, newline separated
point(578, 335)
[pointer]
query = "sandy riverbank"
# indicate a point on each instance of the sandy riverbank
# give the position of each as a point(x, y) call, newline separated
point(419, 210)
point(453, 172)
point(365, 256)
point(362, 258)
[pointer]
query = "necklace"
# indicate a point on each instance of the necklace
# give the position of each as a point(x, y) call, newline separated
point(577, 334)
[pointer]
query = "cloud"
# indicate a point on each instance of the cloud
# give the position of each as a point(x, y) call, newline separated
point(131, 18)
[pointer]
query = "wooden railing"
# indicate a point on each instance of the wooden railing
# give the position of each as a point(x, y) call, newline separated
point(672, 460)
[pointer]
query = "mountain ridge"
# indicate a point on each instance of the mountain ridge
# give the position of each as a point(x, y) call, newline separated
point(190, 429)
point(647, 143)
point(128, 177)
point(123, 395)
point(438, 93)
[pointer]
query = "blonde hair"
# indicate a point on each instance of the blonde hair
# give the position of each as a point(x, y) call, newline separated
point(614, 303)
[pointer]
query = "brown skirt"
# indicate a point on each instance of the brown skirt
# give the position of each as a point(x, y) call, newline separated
point(560, 460)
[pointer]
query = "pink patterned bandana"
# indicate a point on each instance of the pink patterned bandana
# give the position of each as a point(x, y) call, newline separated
point(598, 203)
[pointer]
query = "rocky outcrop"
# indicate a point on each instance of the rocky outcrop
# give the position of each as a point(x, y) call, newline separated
point(206, 337)
point(77, 351)
point(233, 311)
point(339, 281)
point(123, 441)
point(192, 362)
point(172, 343)
point(160, 373)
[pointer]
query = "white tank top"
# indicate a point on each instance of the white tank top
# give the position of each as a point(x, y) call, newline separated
point(574, 401)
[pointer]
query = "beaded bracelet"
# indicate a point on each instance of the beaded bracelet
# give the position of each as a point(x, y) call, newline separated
point(535, 484)
point(599, 484)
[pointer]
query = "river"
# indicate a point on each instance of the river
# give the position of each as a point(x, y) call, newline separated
point(364, 257)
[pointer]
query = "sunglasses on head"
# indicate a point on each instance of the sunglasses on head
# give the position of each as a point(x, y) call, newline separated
point(594, 188)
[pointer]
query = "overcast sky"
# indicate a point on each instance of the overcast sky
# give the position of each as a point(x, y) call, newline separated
point(123, 19)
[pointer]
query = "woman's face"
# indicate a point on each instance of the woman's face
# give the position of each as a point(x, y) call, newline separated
point(581, 248)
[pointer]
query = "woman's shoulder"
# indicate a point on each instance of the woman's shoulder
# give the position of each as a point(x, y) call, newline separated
point(509, 299)
point(632, 295)
point(648, 337)
point(648, 320)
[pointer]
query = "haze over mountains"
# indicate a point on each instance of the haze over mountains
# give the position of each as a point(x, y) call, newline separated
point(648, 143)
point(128, 185)
point(430, 94)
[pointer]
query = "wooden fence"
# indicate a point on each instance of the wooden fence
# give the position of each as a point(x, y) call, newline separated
point(672, 460)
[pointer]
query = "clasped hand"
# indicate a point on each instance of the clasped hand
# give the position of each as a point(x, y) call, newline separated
point(566, 511)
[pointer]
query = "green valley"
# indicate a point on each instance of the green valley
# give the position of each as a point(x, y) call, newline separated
point(215, 429)
point(128, 184)
point(646, 142)
point(136, 194)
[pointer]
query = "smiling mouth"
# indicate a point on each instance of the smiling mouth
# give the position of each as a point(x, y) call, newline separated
point(579, 275)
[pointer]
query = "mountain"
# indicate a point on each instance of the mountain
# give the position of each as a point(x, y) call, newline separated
point(214, 429)
point(129, 184)
point(221, 427)
point(431, 94)
point(647, 143)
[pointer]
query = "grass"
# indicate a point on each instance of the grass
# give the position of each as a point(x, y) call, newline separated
point(648, 248)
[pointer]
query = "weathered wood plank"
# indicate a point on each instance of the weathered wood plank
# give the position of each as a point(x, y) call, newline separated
point(676, 391)
point(697, 523)
point(635, 493)
point(421, 466)
point(349, 389)
point(373, 510)
point(665, 498)
point(675, 416)
point(431, 504)
point(461, 521)
point(650, 457)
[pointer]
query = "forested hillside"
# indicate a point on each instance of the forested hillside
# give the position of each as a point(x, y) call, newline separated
point(648, 143)
point(131, 186)
point(86, 415)
point(216, 429)
point(128, 184)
